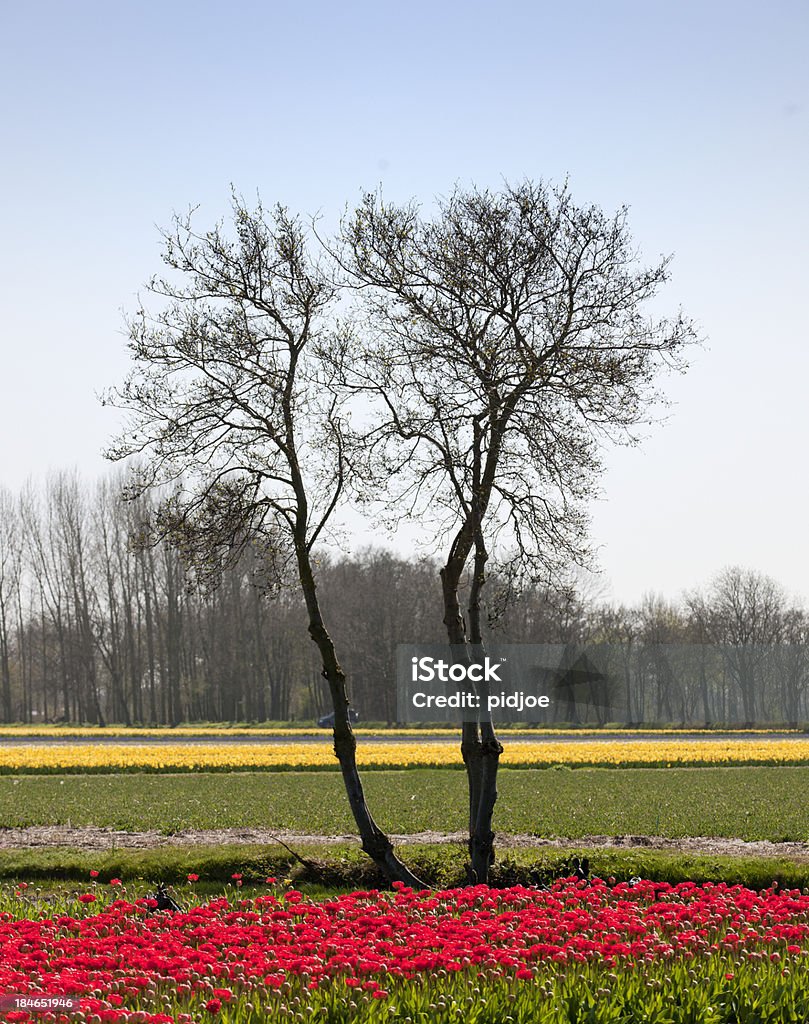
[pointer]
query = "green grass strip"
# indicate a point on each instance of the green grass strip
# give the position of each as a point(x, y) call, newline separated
point(335, 868)
point(746, 803)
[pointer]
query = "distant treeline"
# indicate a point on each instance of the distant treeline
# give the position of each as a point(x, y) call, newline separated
point(94, 628)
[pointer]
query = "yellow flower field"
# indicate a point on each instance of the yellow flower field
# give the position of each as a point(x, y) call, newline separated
point(247, 731)
point(173, 757)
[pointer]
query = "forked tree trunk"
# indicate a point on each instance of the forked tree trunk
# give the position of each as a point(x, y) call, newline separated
point(482, 836)
point(471, 747)
point(480, 747)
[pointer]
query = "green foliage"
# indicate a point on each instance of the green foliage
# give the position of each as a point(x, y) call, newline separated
point(656, 993)
point(328, 869)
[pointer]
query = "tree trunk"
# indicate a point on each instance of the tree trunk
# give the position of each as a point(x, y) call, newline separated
point(374, 841)
point(471, 746)
point(480, 747)
point(5, 664)
point(482, 836)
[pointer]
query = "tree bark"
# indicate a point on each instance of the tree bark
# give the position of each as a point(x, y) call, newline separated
point(482, 836)
point(480, 747)
point(374, 841)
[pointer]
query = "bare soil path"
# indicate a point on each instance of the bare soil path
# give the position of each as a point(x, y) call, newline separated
point(605, 736)
point(90, 837)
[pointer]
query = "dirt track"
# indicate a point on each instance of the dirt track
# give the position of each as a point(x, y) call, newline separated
point(93, 838)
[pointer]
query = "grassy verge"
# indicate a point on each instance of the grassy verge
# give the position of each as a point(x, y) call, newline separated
point(329, 869)
point(746, 803)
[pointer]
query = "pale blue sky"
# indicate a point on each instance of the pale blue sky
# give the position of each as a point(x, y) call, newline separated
point(694, 114)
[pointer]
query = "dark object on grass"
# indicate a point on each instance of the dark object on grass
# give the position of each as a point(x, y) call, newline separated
point(581, 869)
point(327, 721)
point(538, 880)
point(164, 900)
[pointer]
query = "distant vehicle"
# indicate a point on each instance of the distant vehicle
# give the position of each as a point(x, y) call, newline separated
point(327, 721)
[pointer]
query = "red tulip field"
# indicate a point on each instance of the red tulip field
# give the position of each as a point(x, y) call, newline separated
point(576, 952)
point(711, 940)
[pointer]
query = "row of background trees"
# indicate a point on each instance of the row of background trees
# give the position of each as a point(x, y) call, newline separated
point(94, 628)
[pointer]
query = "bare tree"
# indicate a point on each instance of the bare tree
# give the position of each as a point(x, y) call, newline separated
point(115, 599)
point(660, 625)
point(616, 627)
point(228, 405)
point(792, 663)
point(745, 612)
point(10, 583)
point(47, 557)
point(504, 337)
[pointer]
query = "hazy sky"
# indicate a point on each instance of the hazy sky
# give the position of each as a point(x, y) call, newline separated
point(695, 114)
